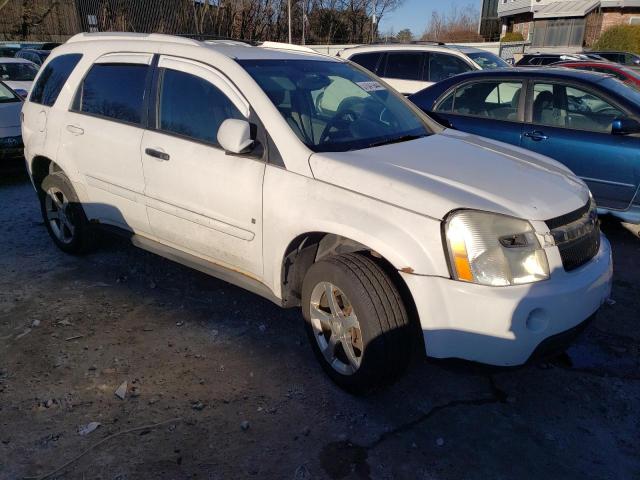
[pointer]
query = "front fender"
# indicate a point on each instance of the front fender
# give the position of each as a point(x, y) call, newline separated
point(296, 204)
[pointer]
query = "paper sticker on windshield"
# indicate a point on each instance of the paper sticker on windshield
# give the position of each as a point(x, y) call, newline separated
point(370, 86)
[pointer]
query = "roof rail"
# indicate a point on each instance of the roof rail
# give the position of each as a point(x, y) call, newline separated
point(217, 38)
point(426, 42)
point(412, 42)
point(154, 37)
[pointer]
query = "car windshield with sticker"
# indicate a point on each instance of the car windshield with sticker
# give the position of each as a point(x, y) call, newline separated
point(334, 106)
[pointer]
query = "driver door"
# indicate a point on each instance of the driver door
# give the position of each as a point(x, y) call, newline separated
point(573, 126)
point(201, 199)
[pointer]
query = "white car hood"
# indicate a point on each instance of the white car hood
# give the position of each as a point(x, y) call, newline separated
point(443, 172)
point(10, 114)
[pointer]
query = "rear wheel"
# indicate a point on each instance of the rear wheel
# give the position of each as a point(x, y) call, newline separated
point(63, 215)
point(356, 321)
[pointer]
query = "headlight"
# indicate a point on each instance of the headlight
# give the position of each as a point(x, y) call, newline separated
point(492, 249)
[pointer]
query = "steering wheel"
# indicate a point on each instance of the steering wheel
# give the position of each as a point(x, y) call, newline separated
point(608, 111)
point(340, 121)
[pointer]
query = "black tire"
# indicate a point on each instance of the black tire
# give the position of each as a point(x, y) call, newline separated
point(81, 240)
point(384, 323)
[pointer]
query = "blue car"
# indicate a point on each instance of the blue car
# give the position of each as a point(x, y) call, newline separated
point(588, 121)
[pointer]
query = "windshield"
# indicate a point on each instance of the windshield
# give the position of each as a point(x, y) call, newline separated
point(488, 61)
point(334, 106)
point(18, 72)
point(7, 95)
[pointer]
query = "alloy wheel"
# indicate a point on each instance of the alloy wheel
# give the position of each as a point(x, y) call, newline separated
point(59, 216)
point(336, 328)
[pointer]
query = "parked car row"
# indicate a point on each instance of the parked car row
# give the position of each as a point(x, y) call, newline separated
point(307, 180)
point(542, 59)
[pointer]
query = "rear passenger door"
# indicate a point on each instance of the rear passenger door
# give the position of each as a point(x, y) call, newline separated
point(102, 134)
point(199, 198)
point(489, 108)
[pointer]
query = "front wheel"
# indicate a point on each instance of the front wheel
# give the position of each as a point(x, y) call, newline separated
point(356, 321)
point(63, 215)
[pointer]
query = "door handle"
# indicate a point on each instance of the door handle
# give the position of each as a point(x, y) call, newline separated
point(75, 130)
point(536, 136)
point(157, 153)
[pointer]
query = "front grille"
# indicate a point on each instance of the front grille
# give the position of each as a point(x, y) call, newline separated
point(568, 218)
point(576, 253)
point(577, 235)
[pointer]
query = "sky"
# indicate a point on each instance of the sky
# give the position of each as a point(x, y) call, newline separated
point(415, 14)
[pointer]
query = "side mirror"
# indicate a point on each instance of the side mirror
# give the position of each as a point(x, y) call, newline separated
point(22, 92)
point(625, 126)
point(235, 135)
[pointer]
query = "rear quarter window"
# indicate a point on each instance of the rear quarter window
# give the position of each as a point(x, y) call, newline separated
point(52, 79)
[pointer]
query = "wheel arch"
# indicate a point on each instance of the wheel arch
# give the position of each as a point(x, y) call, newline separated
point(40, 166)
point(310, 247)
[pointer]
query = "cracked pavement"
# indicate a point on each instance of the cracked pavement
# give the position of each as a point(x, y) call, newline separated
point(72, 329)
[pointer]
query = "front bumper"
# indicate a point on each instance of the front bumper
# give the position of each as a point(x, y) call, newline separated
point(11, 145)
point(504, 325)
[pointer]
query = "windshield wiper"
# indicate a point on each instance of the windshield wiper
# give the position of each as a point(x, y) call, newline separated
point(403, 138)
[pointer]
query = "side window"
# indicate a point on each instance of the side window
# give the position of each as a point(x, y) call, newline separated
point(113, 90)
point(192, 107)
point(404, 65)
point(52, 79)
point(494, 100)
point(446, 105)
point(443, 66)
point(587, 111)
point(569, 107)
point(367, 60)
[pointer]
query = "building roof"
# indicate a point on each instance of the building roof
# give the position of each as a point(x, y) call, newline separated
point(571, 8)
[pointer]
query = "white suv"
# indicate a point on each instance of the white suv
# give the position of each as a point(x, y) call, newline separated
point(303, 179)
point(412, 67)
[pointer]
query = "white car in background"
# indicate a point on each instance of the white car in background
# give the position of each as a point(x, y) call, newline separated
point(386, 229)
point(412, 67)
point(10, 136)
point(18, 73)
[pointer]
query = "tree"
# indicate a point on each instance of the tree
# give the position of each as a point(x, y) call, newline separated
point(459, 25)
point(29, 16)
point(620, 37)
point(404, 36)
point(326, 21)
